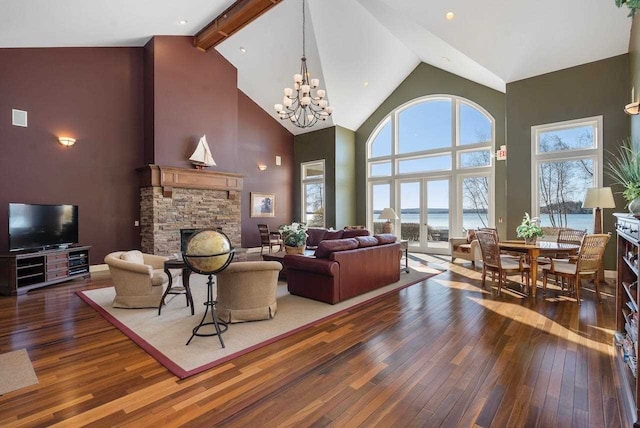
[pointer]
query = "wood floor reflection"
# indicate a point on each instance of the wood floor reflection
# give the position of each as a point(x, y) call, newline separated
point(444, 352)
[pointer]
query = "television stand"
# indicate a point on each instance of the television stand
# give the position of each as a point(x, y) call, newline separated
point(24, 271)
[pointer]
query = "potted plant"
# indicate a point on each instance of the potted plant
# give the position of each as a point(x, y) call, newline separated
point(529, 229)
point(294, 236)
point(633, 5)
point(624, 169)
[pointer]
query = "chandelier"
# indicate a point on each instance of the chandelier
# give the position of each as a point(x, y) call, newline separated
point(304, 104)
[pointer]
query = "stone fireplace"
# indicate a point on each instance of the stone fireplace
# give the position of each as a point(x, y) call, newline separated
point(177, 198)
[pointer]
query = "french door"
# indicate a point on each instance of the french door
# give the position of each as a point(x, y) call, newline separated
point(425, 214)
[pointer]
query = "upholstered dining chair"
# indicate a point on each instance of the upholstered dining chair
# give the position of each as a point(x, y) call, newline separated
point(586, 265)
point(269, 239)
point(494, 262)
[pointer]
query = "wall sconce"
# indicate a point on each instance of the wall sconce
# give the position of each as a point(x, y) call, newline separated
point(67, 141)
point(634, 107)
point(262, 167)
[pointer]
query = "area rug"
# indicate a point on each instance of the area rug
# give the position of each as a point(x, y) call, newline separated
point(16, 371)
point(164, 336)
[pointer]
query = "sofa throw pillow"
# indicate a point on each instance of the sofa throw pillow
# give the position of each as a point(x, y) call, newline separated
point(386, 238)
point(366, 241)
point(316, 234)
point(471, 235)
point(326, 247)
point(133, 256)
point(333, 234)
point(352, 233)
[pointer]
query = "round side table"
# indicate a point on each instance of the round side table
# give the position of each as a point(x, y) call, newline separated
point(185, 289)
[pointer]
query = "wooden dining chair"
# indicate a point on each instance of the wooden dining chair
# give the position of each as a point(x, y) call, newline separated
point(586, 265)
point(494, 262)
point(269, 239)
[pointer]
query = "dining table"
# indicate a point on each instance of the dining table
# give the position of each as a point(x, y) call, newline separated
point(536, 250)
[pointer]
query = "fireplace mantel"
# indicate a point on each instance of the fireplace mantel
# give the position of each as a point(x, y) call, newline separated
point(179, 198)
point(169, 177)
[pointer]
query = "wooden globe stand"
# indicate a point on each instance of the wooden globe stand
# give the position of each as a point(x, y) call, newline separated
point(210, 303)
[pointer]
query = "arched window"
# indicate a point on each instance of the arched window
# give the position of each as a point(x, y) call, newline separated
point(430, 160)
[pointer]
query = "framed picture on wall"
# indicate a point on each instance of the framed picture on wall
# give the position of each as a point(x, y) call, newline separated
point(263, 204)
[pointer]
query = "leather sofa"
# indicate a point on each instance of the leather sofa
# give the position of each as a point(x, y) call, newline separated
point(344, 268)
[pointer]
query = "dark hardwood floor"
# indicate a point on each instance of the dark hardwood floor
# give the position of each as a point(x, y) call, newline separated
point(441, 353)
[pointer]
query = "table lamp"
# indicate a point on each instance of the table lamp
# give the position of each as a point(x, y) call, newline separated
point(388, 214)
point(599, 197)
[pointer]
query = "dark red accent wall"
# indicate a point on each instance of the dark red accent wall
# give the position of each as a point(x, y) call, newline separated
point(95, 96)
point(194, 93)
point(260, 139)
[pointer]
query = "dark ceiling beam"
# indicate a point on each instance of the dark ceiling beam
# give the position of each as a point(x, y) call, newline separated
point(239, 14)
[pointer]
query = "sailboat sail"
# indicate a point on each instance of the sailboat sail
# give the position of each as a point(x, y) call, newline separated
point(202, 154)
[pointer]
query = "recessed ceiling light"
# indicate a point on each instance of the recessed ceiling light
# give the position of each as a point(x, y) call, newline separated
point(243, 50)
point(444, 58)
point(366, 83)
point(449, 16)
point(183, 22)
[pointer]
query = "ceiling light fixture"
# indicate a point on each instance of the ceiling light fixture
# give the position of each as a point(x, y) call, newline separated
point(303, 108)
point(183, 22)
point(449, 16)
point(243, 50)
point(366, 83)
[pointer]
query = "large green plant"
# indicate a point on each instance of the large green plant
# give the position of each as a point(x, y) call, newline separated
point(624, 169)
point(633, 5)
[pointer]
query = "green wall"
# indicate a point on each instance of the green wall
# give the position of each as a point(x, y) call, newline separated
point(634, 71)
point(336, 145)
point(428, 80)
point(345, 177)
point(309, 147)
point(594, 89)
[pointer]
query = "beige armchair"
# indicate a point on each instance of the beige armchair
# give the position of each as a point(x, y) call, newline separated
point(247, 291)
point(138, 278)
point(461, 248)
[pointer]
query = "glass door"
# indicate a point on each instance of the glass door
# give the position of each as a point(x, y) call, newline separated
point(437, 215)
point(425, 217)
point(410, 214)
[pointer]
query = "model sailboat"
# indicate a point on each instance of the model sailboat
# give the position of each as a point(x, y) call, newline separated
point(201, 157)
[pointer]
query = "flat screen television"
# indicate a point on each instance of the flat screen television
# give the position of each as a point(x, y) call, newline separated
point(34, 226)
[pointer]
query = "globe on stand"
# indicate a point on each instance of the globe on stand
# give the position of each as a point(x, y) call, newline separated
point(209, 252)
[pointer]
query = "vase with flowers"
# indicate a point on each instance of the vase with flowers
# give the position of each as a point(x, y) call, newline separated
point(529, 229)
point(294, 236)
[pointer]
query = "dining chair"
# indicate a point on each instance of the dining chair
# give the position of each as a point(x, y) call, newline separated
point(586, 265)
point(495, 262)
point(269, 239)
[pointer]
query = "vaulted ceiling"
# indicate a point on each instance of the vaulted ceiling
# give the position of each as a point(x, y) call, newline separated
point(361, 50)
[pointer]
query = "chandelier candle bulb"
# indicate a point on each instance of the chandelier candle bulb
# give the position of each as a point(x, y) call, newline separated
point(278, 107)
point(297, 78)
point(321, 93)
point(288, 92)
point(288, 102)
point(305, 101)
point(305, 89)
point(323, 103)
point(315, 83)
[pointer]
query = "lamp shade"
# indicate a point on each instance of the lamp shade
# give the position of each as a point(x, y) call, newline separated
point(599, 197)
point(388, 214)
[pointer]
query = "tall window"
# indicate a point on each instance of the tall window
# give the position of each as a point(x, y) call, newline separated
point(567, 160)
point(312, 177)
point(430, 160)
